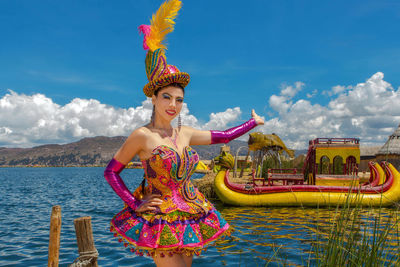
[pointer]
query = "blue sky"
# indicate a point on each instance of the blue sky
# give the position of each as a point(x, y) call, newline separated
point(238, 54)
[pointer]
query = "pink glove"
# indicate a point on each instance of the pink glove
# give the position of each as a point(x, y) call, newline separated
point(232, 133)
point(111, 173)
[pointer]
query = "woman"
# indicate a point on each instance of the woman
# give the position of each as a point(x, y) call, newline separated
point(174, 220)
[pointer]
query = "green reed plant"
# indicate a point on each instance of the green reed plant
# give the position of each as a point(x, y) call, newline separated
point(277, 259)
point(353, 239)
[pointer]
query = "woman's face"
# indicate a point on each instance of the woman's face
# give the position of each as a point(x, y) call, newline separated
point(168, 102)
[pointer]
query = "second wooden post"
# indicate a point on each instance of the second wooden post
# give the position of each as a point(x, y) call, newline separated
point(84, 236)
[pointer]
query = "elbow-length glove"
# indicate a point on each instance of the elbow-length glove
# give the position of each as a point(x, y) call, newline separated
point(232, 133)
point(111, 173)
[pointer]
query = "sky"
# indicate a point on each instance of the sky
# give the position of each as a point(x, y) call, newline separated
point(75, 69)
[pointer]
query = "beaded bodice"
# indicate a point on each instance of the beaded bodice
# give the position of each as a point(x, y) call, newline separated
point(168, 174)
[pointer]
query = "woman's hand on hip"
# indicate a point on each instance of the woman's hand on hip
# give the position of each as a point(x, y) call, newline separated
point(149, 203)
point(257, 118)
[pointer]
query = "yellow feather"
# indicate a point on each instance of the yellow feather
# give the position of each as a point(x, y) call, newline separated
point(162, 23)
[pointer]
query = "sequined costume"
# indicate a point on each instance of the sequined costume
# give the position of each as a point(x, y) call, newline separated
point(186, 221)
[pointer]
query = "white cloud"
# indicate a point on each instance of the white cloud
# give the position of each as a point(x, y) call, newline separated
point(28, 120)
point(338, 89)
point(313, 93)
point(279, 103)
point(220, 120)
point(291, 91)
point(369, 111)
point(282, 102)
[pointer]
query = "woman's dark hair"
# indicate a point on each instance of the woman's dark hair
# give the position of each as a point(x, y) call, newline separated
point(171, 84)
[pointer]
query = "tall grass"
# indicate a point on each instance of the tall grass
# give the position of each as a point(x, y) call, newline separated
point(357, 236)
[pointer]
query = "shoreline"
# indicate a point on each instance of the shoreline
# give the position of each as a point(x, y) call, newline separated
point(67, 166)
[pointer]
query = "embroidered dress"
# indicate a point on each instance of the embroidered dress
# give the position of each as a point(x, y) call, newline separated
point(184, 223)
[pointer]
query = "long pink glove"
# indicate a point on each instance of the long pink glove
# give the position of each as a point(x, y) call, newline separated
point(111, 173)
point(232, 133)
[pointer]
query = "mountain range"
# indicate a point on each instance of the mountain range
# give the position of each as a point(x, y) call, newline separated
point(91, 151)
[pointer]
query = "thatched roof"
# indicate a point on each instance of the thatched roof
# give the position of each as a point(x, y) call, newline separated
point(369, 150)
point(392, 145)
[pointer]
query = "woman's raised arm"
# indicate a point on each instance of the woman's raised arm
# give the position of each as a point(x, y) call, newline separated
point(215, 137)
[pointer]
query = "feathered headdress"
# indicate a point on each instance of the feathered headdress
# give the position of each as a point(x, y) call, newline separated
point(159, 73)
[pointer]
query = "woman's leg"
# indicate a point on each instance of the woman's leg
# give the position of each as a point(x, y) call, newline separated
point(188, 260)
point(170, 261)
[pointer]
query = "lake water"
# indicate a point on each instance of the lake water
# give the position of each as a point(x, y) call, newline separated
point(274, 236)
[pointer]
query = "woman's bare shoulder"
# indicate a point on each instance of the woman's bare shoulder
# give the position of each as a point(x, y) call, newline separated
point(134, 144)
point(139, 133)
point(138, 137)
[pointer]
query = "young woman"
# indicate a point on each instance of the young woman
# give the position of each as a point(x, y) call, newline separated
point(174, 220)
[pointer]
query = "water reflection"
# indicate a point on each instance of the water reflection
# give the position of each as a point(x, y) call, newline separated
point(286, 235)
point(276, 236)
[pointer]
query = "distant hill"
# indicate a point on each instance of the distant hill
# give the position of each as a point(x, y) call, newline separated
point(93, 151)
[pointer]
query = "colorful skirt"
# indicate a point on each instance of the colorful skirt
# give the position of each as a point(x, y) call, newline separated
point(165, 234)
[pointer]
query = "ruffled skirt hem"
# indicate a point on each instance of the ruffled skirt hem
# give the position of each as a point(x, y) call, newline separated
point(168, 251)
point(176, 232)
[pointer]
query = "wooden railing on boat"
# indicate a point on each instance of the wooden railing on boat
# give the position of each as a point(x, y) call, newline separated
point(286, 176)
point(370, 188)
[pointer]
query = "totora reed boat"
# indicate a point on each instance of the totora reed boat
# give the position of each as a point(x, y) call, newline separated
point(383, 189)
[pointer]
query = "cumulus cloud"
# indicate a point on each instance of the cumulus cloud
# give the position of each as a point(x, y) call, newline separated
point(220, 120)
point(290, 91)
point(369, 110)
point(313, 93)
point(337, 90)
point(283, 102)
point(28, 120)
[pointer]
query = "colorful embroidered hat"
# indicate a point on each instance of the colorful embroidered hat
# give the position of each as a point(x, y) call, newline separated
point(159, 73)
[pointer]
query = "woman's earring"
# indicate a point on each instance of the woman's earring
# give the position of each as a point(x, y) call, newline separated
point(179, 122)
point(152, 116)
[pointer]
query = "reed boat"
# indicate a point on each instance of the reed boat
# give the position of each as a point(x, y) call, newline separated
point(382, 189)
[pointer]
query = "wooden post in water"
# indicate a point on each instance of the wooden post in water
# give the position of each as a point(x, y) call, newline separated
point(54, 240)
point(84, 237)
